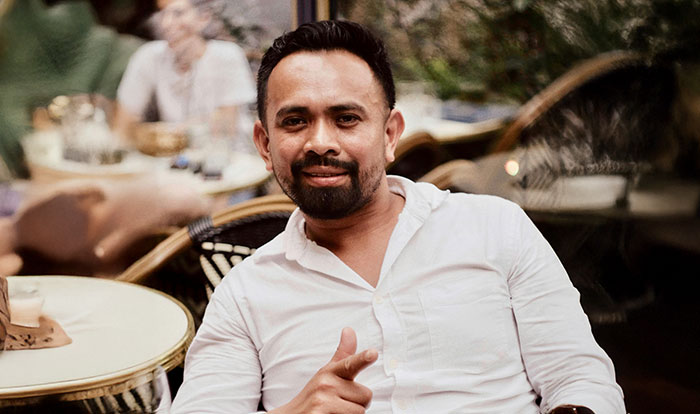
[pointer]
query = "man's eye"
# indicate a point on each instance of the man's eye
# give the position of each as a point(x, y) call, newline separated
point(293, 122)
point(347, 119)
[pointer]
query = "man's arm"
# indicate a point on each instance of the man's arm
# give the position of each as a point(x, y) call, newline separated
point(134, 93)
point(224, 121)
point(222, 368)
point(137, 84)
point(564, 363)
point(124, 123)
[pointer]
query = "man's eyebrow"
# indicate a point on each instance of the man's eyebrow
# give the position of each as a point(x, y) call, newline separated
point(347, 107)
point(298, 109)
point(292, 109)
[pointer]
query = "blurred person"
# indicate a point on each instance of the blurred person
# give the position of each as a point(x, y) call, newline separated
point(455, 302)
point(187, 77)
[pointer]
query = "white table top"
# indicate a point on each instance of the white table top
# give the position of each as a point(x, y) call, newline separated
point(424, 113)
point(46, 164)
point(118, 331)
point(652, 197)
point(242, 171)
point(447, 131)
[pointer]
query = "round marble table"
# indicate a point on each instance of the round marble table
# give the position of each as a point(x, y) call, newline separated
point(123, 336)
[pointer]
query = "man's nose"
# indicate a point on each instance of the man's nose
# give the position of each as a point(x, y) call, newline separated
point(322, 139)
point(166, 19)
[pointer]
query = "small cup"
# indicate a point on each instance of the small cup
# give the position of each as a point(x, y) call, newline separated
point(25, 307)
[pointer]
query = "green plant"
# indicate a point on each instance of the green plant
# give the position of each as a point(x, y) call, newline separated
point(510, 49)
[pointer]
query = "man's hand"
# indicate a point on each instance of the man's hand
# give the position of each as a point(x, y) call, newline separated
point(333, 389)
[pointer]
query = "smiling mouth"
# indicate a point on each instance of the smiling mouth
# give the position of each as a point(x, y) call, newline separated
point(311, 174)
point(320, 171)
point(324, 179)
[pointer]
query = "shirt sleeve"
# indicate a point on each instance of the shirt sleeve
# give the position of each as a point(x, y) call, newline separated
point(222, 368)
point(563, 362)
point(137, 85)
point(232, 77)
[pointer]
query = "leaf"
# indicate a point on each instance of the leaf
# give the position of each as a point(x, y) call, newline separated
point(521, 5)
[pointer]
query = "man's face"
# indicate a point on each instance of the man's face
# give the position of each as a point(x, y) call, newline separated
point(178, 20)
point(329, 132)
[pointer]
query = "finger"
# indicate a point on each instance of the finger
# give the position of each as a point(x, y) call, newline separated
point(346, 407)
point(355, 392)
point(349, 367)
point(347, 345)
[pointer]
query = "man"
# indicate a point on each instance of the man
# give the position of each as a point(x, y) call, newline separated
point(455, 301)
point(183, 75)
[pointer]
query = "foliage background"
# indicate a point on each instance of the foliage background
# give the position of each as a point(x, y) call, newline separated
point(50, 51)
point(507, 50)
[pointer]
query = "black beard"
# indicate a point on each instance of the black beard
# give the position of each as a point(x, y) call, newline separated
point(328, 203)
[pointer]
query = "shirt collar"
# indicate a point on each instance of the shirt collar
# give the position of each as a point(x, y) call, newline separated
point(421, 200)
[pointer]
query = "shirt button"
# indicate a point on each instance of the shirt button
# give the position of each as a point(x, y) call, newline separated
point(393, 363)
point(402, 404)
point(378, 300)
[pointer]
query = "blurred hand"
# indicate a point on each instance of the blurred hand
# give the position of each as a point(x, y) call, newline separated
point(333, 389)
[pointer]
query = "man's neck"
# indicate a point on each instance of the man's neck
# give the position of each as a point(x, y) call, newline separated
point(187, 52)
point(360, 240)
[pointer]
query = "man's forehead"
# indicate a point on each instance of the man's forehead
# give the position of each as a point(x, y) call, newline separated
point(319, 60)
point(315, 75)
point(174, 4)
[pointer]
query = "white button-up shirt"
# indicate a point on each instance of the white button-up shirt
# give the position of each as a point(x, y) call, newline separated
point(473, 313)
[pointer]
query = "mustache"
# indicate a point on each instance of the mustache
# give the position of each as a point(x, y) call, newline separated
point(313, 159)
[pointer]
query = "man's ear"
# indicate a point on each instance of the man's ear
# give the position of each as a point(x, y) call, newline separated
point(262, 143)
point(393, 129)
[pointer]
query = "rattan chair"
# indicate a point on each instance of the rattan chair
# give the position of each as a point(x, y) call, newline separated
point(191, 263)
point(415, 155)
point(558, 90)
point(447, 176)
point(609, 115)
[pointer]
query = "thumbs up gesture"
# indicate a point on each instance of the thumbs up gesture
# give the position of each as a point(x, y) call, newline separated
point(333, 389)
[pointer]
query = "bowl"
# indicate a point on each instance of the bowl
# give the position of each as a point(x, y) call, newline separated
point(160, 139)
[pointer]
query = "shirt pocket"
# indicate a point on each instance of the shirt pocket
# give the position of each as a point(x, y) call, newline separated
point(467, 325)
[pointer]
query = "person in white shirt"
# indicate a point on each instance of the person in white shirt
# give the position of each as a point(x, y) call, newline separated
point(189, 78)
point(383, 295)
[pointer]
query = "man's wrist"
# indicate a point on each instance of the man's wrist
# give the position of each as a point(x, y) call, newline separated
point(571, 409)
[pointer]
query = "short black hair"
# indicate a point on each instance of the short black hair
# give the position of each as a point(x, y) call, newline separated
point(329, 35)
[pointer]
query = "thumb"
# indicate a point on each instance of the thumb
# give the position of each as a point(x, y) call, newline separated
point(347, 345)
